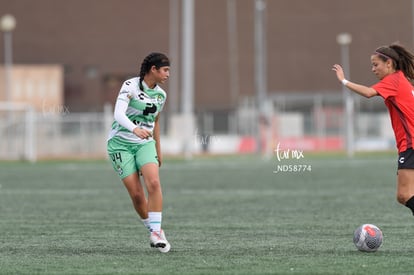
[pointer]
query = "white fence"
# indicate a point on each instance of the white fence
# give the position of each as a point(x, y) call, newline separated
point(30, 135)
point(316, 124)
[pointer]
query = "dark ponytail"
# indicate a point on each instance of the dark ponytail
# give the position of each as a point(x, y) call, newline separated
point(402, 59)
point(153, 59)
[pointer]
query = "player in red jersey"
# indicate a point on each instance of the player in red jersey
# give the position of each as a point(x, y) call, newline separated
point(394, 67)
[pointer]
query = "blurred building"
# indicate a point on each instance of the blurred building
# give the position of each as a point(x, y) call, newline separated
point(99, 43)
point(40, 86)
point(71, 57)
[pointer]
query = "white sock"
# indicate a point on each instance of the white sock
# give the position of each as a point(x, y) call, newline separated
point(146, 223)
point(155, 221)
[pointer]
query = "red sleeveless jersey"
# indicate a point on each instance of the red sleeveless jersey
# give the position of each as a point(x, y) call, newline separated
point(398, 94)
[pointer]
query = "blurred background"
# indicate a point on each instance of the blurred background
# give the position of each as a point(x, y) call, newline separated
point(246, 75)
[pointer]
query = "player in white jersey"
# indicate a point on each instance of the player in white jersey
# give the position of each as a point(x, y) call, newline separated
point(134, 142)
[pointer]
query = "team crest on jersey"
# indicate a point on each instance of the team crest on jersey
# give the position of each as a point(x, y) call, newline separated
point(159, 99)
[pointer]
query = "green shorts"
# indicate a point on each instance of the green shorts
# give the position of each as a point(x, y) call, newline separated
point(128, 159)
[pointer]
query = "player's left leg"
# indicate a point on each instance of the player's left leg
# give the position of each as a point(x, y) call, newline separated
point(147, 162)
point(151, 177)
point(405, 188)
point(152, 183)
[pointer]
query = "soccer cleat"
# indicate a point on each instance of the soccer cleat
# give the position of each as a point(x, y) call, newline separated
point(167, 245)
point(159, 241)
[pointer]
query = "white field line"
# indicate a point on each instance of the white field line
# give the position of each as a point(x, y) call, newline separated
point(43, 191)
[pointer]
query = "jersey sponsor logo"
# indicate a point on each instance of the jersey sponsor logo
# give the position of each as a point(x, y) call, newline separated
point(149, 109)
point(140, 123)
point(401, 160)
point(412, 92)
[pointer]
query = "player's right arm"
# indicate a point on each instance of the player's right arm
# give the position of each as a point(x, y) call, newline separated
point(120, 116)
point(361, 89)
point(357, 88)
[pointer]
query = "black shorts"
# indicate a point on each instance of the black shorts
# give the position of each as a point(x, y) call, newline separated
point(406, 159)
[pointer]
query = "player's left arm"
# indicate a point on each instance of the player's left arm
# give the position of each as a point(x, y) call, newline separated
point(156, 136)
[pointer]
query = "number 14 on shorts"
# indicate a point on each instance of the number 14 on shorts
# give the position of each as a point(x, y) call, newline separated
point(116, 157)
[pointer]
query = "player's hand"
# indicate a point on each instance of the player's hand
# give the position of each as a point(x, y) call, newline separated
point(142, 133)
point(159, 161)
point(339, 72)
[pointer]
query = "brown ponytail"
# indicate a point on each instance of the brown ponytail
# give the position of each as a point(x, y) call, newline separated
point(402, 59)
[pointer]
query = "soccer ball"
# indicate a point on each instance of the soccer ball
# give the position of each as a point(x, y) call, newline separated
point(368, 238)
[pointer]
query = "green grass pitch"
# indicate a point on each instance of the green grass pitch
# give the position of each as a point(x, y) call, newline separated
point(228, 215)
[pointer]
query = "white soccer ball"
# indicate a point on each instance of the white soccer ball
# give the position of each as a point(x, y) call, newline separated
point(368, 238)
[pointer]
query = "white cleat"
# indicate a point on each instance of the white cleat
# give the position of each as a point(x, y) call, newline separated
point(167, 247)
point(159, 241)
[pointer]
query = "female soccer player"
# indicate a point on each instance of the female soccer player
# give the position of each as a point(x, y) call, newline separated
point(394, 67)
point(134, 142)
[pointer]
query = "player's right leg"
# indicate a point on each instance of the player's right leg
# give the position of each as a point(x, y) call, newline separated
point(123, 162)
point(405, 178)
point(136, 192)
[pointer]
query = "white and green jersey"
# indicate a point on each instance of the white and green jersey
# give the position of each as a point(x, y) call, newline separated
point(143, 108)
